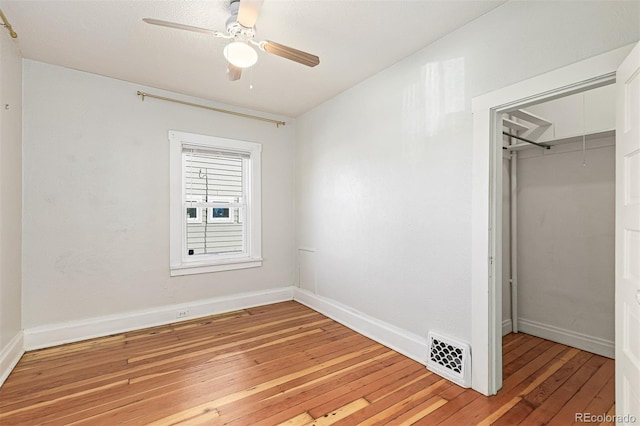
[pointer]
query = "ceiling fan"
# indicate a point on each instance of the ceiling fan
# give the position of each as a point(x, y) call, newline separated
point(241, 30)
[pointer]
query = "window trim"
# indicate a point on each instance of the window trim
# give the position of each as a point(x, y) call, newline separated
point(252, 257)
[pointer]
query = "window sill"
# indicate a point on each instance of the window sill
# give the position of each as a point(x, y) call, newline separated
point(203, 268)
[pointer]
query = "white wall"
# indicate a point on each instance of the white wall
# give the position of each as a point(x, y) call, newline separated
point(566, 243)
point(384, 169)
point(96, 198)
point(10, 203)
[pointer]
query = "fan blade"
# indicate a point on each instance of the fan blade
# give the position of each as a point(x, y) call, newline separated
point(248, 12)
point(290, 53)
point(183, 27)
point(234, 73)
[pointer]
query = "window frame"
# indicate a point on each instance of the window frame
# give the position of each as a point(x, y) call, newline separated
point(180, 262)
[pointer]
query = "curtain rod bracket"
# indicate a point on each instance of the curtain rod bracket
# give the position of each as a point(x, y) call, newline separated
point(278, 123)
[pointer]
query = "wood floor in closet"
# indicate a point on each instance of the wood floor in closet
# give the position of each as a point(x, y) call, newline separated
point(287, 364)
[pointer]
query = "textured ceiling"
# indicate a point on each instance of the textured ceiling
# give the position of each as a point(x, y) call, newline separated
point(354, 40)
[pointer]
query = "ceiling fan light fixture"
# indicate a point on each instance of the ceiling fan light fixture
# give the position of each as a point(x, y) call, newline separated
point(240, 54)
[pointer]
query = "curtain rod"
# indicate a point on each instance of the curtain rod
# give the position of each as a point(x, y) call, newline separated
point(7, 25)
point(278, 123)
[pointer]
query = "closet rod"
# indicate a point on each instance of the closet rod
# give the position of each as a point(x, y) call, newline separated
point(541, 145)
point(278, 123)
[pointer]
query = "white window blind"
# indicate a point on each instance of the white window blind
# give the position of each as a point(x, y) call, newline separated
point(215, 186)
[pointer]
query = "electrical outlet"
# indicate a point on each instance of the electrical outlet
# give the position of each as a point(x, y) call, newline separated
point(183, 313)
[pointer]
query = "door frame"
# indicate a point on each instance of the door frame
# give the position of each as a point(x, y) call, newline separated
point(486, 203)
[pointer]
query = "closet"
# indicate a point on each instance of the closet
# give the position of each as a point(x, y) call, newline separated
point(558, 220)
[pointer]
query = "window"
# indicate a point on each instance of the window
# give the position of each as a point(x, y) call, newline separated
point(215, 204)
point(194, 214)
point(223, 214)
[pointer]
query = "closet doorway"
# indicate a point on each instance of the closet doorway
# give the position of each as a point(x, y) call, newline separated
point(558, 220)
point(621, 65)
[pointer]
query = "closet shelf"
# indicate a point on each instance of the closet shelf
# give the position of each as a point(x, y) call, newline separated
point(530, 117)
point(515, 125)
point(576, 138)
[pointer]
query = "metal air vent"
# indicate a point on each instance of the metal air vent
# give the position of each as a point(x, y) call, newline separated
point(450, 359)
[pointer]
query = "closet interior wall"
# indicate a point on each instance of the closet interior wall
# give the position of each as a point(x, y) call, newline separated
point(565, 224)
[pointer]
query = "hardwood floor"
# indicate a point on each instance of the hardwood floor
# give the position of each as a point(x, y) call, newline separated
point(286, 364)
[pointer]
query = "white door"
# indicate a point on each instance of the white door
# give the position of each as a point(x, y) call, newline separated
point(628, 240)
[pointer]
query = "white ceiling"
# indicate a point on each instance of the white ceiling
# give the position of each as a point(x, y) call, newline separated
point(353, 38)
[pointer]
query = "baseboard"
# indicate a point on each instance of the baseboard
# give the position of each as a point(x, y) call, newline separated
point(402, 341)
point(10, 356)
point(567, 337)
point(57, 334)
point(507, 327)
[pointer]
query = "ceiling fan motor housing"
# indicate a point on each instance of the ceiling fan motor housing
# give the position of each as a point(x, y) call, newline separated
point(235, 28)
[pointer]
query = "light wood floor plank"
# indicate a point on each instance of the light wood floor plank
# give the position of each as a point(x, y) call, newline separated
point(587, 392)
point(550, 407)
point(602, 403)
point(610, 413)
point(455, 404)
point(286, 364)
point(391, 413)
point(236, 413)
point(340, 413)
point(299, 420)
